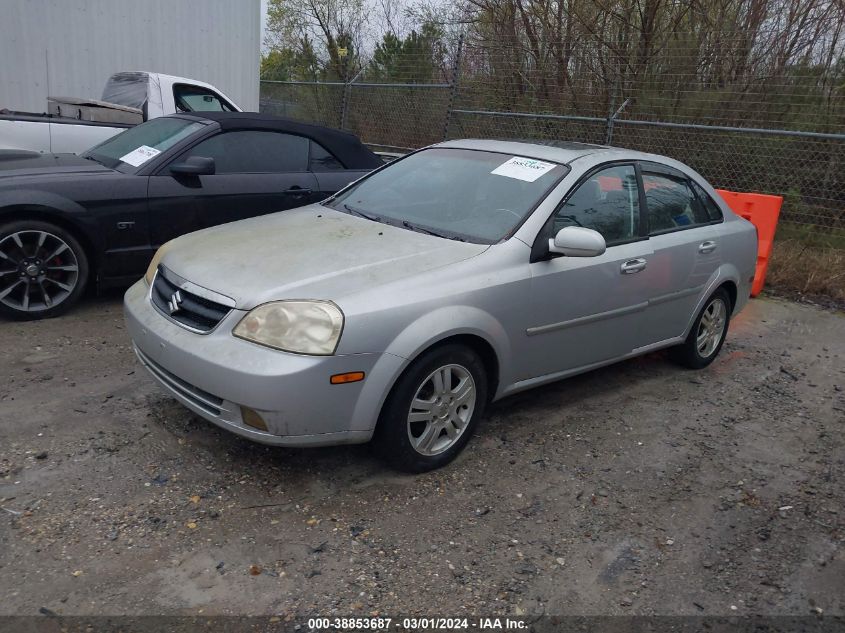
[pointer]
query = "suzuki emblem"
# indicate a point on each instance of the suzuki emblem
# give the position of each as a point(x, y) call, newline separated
point(175, 303)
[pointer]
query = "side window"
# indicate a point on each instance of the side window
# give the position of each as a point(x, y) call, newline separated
point(608, 202)
point(253, 151)
point(196, 99)
point(322, 159)
point(714, 213)
point(671, 203)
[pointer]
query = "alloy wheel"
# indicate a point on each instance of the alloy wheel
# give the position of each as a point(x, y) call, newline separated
point(711, 327)
point(38, 270)
point(441, 409)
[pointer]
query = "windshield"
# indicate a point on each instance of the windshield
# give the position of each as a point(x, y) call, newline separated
point(476, 196)
point(129, 150)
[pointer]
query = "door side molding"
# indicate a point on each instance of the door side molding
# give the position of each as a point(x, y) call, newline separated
point(591, 318)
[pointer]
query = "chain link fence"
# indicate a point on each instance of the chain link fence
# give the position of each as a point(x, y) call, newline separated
point(766, 129)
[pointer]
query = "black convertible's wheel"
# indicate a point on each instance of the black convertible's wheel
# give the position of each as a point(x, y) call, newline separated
point(707, 334)
point(43, 270)
point(433, 409)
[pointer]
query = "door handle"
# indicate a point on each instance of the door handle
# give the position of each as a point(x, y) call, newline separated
point(707, 247)
point(297, 191)
point(633, 266)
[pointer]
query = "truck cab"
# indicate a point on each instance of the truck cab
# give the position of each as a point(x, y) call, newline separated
point(74, 124)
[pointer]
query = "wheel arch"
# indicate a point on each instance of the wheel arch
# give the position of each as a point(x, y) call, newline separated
point(477, 344)
point(730, 287)
point(465, 324)
point(45, 213)
point(727, 277)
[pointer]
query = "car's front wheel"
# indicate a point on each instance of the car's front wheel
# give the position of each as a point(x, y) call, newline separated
point(707, 334)
point(43, 269)
point(433, 409)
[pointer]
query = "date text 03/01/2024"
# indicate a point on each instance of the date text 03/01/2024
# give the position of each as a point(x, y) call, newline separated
point(417, 623)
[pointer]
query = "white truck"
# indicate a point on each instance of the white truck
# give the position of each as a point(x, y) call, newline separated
point(75, 125)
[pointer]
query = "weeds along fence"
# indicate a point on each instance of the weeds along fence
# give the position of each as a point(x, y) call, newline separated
point(767, 129)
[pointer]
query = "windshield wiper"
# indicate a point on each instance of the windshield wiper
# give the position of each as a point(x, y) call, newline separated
point(421, 229)
point(89, 157)
point(356, 211)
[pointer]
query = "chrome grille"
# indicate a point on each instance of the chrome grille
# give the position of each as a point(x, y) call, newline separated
point(187, 308)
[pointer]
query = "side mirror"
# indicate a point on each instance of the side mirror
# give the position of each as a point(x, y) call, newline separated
point(577, 241)
point(194, 166)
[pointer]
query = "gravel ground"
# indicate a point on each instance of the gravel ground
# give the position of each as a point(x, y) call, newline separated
point(636, 489)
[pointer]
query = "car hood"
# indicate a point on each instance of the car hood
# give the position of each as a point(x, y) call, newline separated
point(25, 163)
point(309, 253)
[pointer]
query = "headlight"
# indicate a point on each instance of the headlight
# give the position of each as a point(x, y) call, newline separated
point(303, 327)
point(151, 269)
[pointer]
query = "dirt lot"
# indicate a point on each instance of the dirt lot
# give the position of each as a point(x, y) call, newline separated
point(640, 488)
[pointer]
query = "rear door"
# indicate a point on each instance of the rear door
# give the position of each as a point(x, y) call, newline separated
point(257, 172)
point(685, 239)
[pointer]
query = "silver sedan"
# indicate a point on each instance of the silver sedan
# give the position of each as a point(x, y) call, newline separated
point(396, 310)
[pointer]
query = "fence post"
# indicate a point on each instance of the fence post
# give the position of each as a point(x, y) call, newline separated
point(608, 136)
point(347, 96)
point(344, 103)
point(453, 90)
point(611, 119)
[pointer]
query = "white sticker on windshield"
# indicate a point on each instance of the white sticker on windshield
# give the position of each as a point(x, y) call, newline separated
point(138, 157)
point(526, 169)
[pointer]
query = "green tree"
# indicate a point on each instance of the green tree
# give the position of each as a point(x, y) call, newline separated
point(416, 58)
point(334, 27)
point(286, 64)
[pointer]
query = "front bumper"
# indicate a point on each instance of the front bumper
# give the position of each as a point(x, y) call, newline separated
point(216, 374)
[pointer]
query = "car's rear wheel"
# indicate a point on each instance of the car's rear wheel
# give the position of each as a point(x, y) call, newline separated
point(433, 409)
point(707, 334)
point(43, 270)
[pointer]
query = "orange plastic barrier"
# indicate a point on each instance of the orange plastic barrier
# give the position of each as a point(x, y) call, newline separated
point(761, 210)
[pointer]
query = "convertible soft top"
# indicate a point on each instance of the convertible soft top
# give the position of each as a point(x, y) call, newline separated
point(345, 146)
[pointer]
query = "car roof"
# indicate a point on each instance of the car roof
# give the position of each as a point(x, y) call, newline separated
point(345, 146)
point(556, 151)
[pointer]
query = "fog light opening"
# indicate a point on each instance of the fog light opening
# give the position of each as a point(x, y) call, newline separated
point(252, 418)
point(350, 376)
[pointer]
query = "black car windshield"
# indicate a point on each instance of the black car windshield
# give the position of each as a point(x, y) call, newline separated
point(477, 196)
point(129, 150)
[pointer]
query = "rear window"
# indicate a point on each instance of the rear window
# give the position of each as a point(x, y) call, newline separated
point(714, 213)
point(671, 203)
point(127, 89)
point(322, 160)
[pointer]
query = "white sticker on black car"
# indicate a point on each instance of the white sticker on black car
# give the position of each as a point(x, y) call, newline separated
point(138, 157)
point(527, 169)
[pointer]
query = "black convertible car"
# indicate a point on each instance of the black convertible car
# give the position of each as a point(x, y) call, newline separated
point(66, 220)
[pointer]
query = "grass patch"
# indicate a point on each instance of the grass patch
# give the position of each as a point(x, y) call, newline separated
point(816, 237)
point(807, 268)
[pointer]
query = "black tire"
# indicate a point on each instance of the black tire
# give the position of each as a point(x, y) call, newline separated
point(689, 353)
point(61, 277)
point(394, 432)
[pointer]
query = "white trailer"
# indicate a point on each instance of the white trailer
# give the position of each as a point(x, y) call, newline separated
point(70, 47)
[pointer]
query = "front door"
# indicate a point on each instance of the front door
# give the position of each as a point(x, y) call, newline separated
point(586, 310)
point(257, 172)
